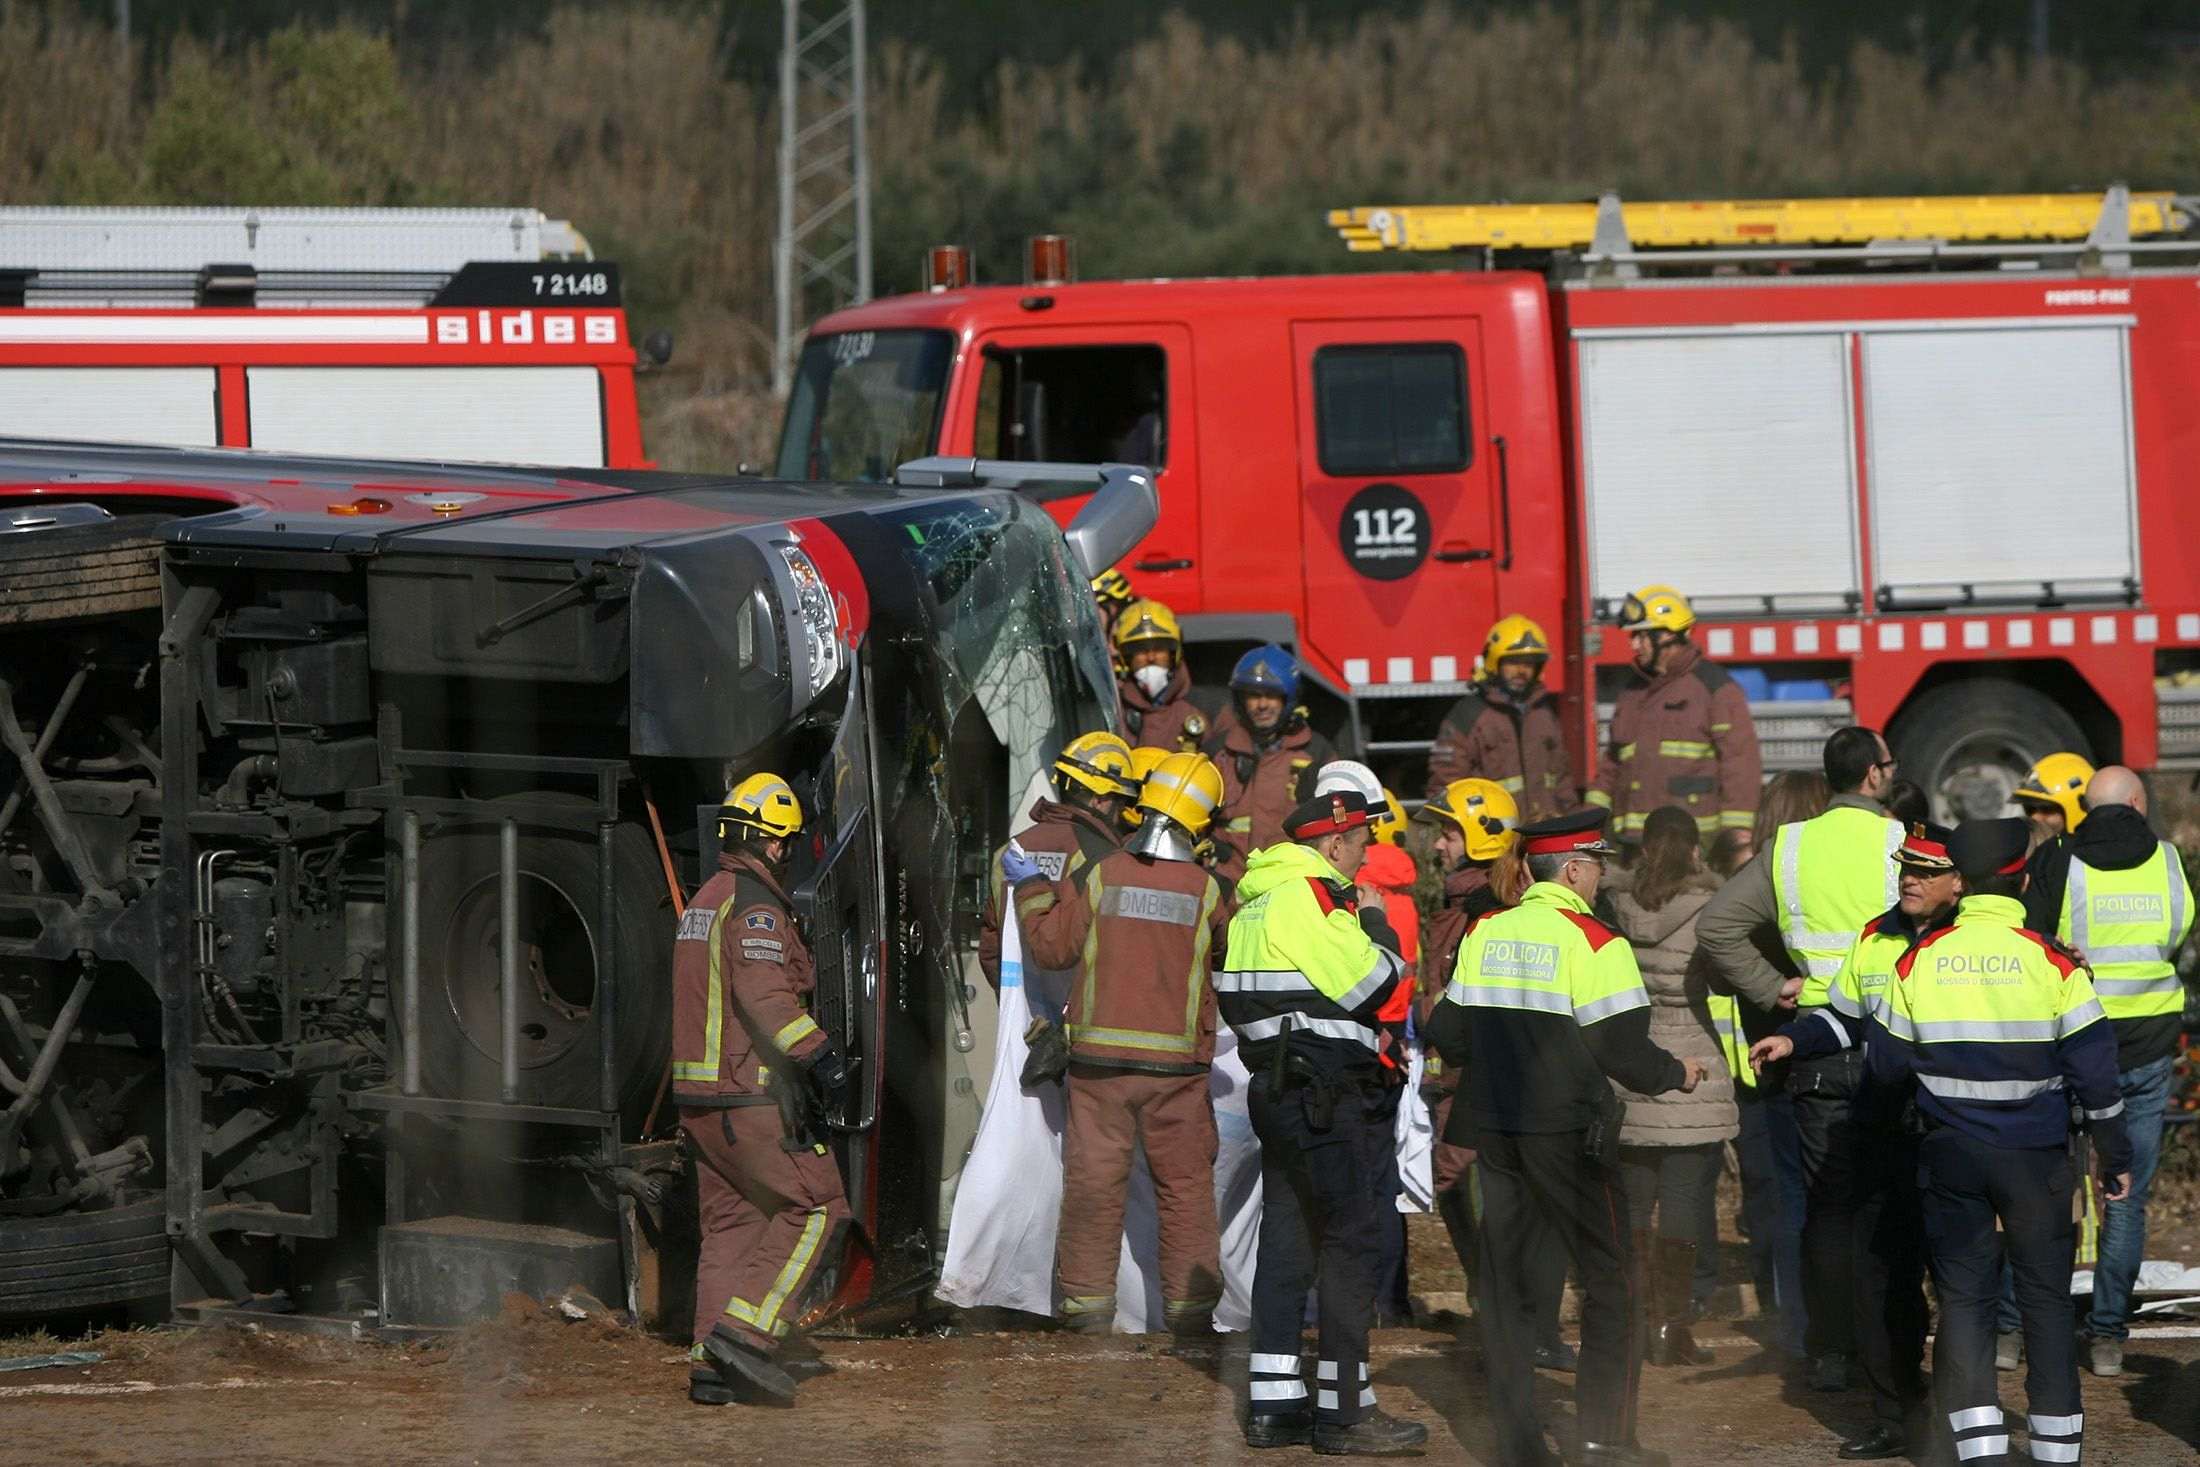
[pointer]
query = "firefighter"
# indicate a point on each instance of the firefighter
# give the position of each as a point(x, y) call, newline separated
point(1302, 988)
point(1155, 689)
point(1812, 893)
point(1507, 728)
point(1888, 1231)
point(1140, 928)
point(1550, 1005)
point(2008, 1046)
point(2052, 796)
point(2116, 893)
point(1111, 593)
point(1265, 751)
point(1681, 735)
point(1093, 785)
point(751, 1070)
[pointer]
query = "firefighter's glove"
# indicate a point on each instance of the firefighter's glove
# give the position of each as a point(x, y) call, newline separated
point(1048, 1059)
point(829, 1080)
point(1018, 866)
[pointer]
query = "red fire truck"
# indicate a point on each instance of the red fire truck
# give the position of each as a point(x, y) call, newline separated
point(456, 334)
point(1920, 463)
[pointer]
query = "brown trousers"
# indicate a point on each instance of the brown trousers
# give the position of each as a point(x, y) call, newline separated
point(771, 1218)
point(1449, 1163)
point(1110, 1113)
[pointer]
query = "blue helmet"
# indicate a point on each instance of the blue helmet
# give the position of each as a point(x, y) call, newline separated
point(1267, 669)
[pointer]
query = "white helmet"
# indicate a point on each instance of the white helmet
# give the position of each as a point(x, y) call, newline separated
point(1349, 776)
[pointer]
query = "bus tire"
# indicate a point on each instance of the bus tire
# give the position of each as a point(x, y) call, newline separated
point(460, 964)
point(1968, 743)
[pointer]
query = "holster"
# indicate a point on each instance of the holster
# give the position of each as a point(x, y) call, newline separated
point(1600, 1141)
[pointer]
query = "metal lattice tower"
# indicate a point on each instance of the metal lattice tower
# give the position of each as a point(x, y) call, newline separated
point(822, 257)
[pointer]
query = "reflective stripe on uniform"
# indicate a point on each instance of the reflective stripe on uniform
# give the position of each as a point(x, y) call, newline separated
point(1261, 1364)
point(1385, 967)
point(794, 1033)
point(1610, 1004)
point(1685, 749)
point(1506, 996)
point(1947, 1087)
point(2128, 925)
point(1347, 1030)
point(705, 1070)
point(1263, 980)
point(765, 1316)
point(1818, 950)
point(1276, 1390)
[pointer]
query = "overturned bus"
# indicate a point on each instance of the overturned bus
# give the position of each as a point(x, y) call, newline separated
point(352, 805)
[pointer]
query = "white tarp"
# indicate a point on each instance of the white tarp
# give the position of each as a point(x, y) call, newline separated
point(1416, 1136)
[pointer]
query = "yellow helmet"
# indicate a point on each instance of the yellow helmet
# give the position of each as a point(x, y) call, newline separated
point(1186, 788)
point(763, 804)
point(1513, 636)
point(1485, 812)
point(1111, 585)
point(1143, 759)
point(1101, 762)
point(1389, 825)
point(1146, 620)
point(1656, 608)
point(2059, 780)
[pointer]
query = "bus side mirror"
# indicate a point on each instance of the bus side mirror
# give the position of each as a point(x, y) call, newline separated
point(1116, 518)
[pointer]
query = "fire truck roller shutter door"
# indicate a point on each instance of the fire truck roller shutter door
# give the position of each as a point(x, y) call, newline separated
point(1721, 462)
point(559, 963)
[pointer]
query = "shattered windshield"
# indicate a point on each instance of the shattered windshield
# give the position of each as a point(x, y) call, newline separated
point(864, 402)
point(1018, 625)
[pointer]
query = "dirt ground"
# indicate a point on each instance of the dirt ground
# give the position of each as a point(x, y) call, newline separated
point(532, 1387)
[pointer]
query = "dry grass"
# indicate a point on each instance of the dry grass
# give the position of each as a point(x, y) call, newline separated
point(1189, 152)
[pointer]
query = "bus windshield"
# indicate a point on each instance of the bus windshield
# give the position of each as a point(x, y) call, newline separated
point(864, 402)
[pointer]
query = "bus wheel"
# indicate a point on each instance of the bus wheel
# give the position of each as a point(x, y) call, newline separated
point(1969, 743)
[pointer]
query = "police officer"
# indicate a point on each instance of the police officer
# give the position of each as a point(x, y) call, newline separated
point(1265, 751)
point(1507, 728)
point(1812, 892)
point(2001, 1032)
point(1154, 687)
point(1550, 1005)
point(750, 1070)
point(1094, 783)
point(1302, 988)
point(1681, 734)
point(1888, 1230)
point(2116, 892)
point(1140, 928)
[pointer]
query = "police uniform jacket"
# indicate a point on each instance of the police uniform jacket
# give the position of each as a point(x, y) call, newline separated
point(2001, 1031)
point(741, 981)
point(1545, 1008)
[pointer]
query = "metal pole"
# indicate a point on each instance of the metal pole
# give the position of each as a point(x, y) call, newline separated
point(408, 947)
point(783, 282)
point(858, 91)
point(607, 973)
point(508, 951)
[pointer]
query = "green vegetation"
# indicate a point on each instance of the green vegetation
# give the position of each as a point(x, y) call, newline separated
point(1186, 147)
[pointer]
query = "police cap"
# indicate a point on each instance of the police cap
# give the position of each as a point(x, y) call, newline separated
point(1925, 848)
point(1333, 813)
point(1988, 847)
point(1580, 833)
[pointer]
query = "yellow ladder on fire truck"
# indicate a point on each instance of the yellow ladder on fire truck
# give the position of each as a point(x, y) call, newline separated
point(1609, 226)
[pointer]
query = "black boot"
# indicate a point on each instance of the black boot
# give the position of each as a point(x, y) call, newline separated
point(746, 1370)
point(1279, 1428)
point(1377, 1434)
point(1618, 1454)
point(1675, 1343)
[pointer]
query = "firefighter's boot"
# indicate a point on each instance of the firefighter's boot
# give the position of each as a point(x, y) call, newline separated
point(746, 1372)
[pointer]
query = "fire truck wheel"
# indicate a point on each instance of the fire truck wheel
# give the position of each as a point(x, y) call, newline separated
point(1969, 742)
point(70, 572)
point(560, 960)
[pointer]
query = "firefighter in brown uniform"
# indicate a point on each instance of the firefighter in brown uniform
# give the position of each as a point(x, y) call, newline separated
point(1154, 687)
point(1095, 783)
point(750, 1067)
point(1507, 728)
point(1142, 929)
point(1682, 734)
point(1265, 751)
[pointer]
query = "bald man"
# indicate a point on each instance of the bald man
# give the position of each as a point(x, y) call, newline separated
point(2116, 892)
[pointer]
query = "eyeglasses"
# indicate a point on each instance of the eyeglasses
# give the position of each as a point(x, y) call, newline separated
point(1890, 762)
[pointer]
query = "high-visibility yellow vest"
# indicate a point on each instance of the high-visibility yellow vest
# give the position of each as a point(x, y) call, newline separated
point(1726, 1022)
point(1299, 964)
point(1539, 956)
point(2129, 925)
point(1831, 875)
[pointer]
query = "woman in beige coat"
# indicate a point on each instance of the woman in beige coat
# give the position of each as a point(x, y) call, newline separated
point(1672, 1145)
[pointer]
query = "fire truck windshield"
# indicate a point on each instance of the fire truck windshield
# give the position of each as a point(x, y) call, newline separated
point(863, 403)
